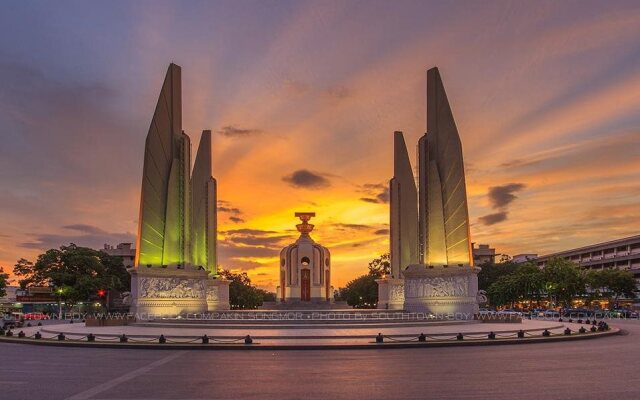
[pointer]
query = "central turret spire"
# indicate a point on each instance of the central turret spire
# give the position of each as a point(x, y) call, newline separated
point(305, 227)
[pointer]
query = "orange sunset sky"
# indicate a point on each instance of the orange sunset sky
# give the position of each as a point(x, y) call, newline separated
point(303, 99)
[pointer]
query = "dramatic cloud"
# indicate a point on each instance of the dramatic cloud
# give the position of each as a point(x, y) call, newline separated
point(233, 131)
point(89, 229)
point(259, 241)
point(230, 210)
point(491, 219)
point(248, 248)
point(234, 254)
point(382, 232)
point(83, 235)
point(306, 179)
point(226, 207)
point(377, 193)
point(357, 227)
point(248, 231)
point(254, 238)
point(234, 212)
point(502, 196)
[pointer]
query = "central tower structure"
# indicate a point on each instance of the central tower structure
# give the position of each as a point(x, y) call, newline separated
point(305, 269)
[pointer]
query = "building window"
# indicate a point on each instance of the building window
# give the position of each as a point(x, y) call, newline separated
point(305, 261)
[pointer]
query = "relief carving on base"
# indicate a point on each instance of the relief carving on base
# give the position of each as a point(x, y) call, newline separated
point(213, 293)
point(397, 293)
point(453, 286)
point(171, 288)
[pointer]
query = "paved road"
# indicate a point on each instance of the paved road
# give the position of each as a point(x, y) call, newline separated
point(591, 369)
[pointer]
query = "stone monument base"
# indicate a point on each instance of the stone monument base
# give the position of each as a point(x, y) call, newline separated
point(444, 291)
point(168, 292)
point(390, 293)
point(217, 294)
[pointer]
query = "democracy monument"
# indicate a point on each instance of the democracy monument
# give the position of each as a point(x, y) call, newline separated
point(431, 264)
point(175, 269)
point(178, 299)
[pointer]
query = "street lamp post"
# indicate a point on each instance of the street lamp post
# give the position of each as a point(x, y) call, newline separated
point(60, 291)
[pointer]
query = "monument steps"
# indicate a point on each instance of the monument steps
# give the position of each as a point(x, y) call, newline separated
point(301, 326)
point(304, 305)
point(302, 319)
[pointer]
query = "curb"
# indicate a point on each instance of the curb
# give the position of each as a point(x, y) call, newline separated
point(264, 337)
point(258, 346)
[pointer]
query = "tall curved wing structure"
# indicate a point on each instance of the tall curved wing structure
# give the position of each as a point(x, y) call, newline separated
point(204, 214)
point(163, 229)
point(443, 212)
point(404, 210)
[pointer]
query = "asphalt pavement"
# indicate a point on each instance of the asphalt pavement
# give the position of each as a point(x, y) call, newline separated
point(591, 369)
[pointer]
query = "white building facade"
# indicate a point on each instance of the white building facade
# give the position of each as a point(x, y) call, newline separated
point(621, 253)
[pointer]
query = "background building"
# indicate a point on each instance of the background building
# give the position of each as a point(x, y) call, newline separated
point(622, 253)
point(524, 257)
point(483, 254)
point(8, 302)
point(123, 250)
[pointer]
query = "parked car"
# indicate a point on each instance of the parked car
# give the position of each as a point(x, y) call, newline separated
point(35, 316)
point(509, 311)
point(551, 314)
point(578, 313)
point(486, 311)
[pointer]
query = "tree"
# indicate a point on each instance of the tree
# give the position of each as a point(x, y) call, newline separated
point(528, 282)
point(502, 291)
point(491, 272)
point(611, 283)
point(380, 266)
point(76, 273)
point(622, 283)
point(523, 282)
point(4, 278)
point(563, 280)
point(361, 292)
point(242, 294)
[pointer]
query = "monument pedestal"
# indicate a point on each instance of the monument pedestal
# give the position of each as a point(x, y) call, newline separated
point(217, 294)
point(390, 293)
point(441, 291)
point(158, 292)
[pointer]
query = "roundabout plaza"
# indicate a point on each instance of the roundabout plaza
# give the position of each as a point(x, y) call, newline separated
point(428, 297)
point(306, 329)
point(428, 300)
point(426, 339)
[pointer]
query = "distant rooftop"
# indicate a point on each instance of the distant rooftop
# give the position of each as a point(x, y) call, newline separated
point(595, 246)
